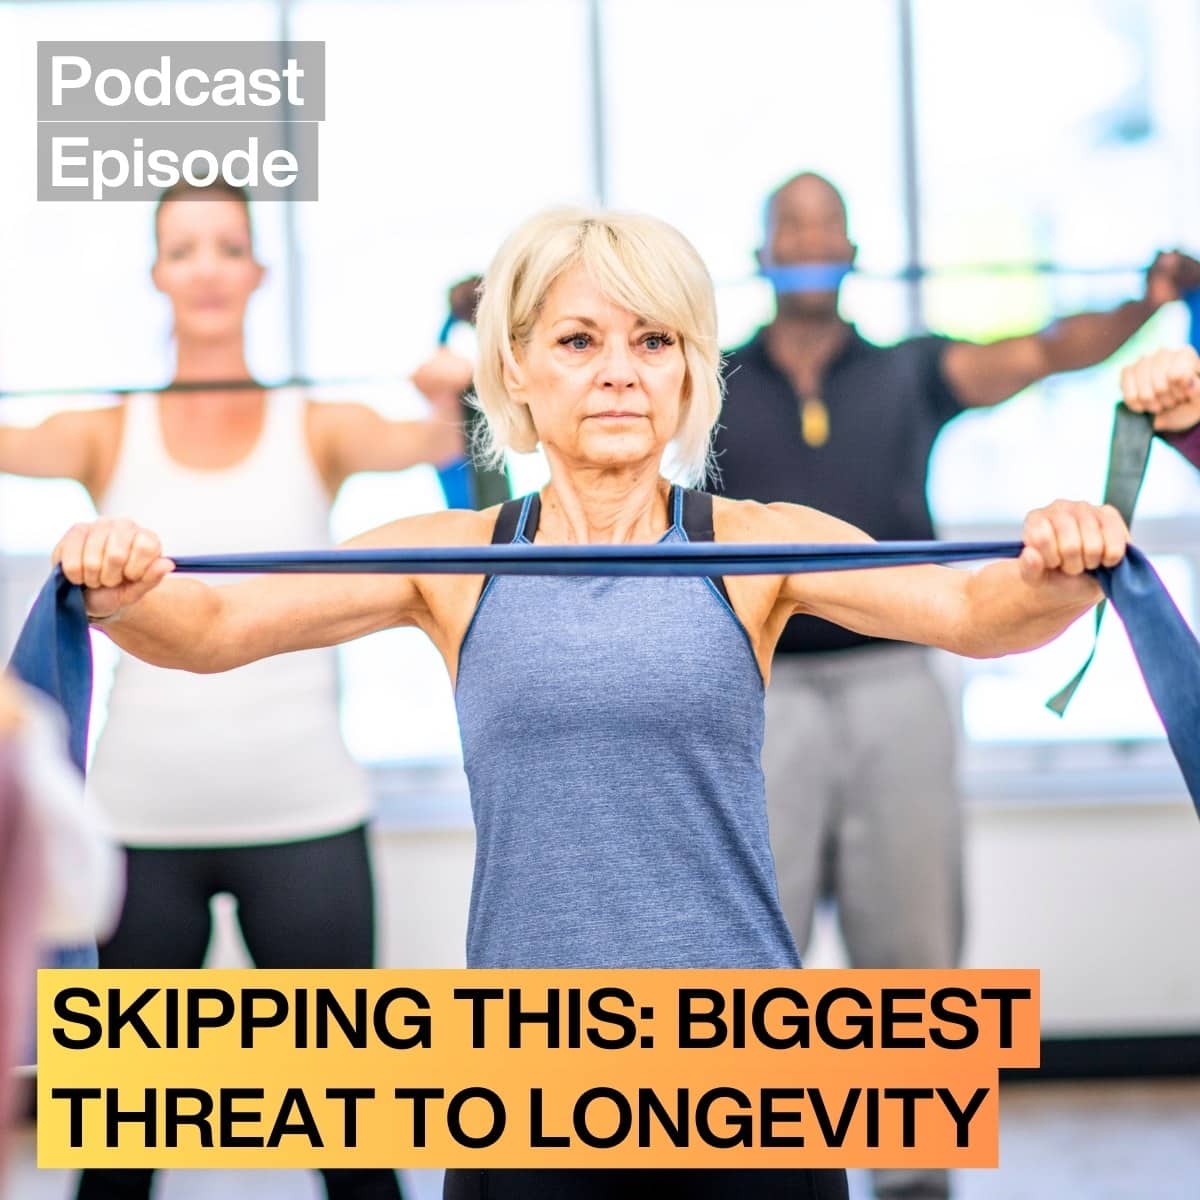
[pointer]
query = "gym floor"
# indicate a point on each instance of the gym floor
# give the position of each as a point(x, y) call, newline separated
point(1059, 1141)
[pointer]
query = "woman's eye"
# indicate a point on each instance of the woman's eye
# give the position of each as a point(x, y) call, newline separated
point(657, 341)
point(577, 341)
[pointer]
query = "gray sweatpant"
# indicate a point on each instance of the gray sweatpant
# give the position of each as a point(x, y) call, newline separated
point(862, 793)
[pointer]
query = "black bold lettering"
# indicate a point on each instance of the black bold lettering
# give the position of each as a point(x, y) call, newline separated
point(478, 998)
point(419, 1027)
point(75, 1098)
point(583, 1129)
point(350, 1098)
point(889, 1018)
point(305, 1124)
point(689, 998)
point(1005, 996)
point(174, 1117)
point(742, 1123)
point(625, 1025)
point(537, 1138)
point(229, 1116)
point(834, 1135)
point(454, 1117)
point(770, 1118)
point(968, 1024)
point(62, 1010)
point(862, 1024)
point(419, 1096)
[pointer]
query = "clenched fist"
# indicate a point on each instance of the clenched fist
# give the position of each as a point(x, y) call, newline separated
point(1167, 384)
point(117, 561)
point(1071, 537)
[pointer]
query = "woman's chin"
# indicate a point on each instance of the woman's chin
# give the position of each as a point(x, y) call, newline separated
point(620, 448)
point(208, 329)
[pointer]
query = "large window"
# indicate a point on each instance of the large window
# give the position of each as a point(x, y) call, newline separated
point(77, 309)
point(1059, 140)
point(706, 112)
point(1089, 167)
point(420, 180)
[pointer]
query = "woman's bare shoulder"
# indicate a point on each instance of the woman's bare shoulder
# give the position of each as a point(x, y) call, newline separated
point(448, 527)
point(751, 521)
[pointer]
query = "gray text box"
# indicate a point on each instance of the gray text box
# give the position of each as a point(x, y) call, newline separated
point(102, 147)
point(120, 69)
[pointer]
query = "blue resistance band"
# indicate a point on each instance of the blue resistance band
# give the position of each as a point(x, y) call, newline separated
point(1128, 455)
point(53, 652)
point(805, 277)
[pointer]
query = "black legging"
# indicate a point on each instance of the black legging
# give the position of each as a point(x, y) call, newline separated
point(663, 1185)
point(300, 904)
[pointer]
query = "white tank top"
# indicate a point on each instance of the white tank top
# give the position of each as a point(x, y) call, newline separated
point(254, 755)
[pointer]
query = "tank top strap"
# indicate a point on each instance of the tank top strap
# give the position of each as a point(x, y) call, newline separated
point(141, 454)
point(694, 515)
point(141, 431)
point(285, 426)
point(518, 520)
point(694, 520)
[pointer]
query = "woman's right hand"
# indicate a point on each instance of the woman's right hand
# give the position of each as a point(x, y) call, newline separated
point(115, 560)
point(1167, 384)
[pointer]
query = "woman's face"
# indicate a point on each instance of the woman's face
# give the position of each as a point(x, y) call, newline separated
point(206, 266)
point(603, 386)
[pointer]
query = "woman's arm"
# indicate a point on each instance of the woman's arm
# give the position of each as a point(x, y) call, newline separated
point(1005, 608)
point(349, 438)
point(64, 446)
point(188, 625)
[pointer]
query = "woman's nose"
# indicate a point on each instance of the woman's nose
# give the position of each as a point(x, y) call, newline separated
point(617, 367)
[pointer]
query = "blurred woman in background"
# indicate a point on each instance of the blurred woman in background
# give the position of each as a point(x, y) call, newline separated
point(238, 784)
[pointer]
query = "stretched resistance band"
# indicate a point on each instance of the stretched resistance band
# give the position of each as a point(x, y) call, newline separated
point(54, 652)
point(1128, 453)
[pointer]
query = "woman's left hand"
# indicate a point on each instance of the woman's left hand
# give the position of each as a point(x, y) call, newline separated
point(1070, 537)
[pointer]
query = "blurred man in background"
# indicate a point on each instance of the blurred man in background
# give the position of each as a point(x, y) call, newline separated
point(860, 741)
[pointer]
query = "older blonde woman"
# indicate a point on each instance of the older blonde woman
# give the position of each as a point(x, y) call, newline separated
point(611, 727)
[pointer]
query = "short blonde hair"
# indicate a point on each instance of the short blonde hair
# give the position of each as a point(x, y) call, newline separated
point(639, 263)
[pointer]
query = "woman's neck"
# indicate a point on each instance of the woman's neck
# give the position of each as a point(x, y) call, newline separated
point(216, 362)
point(598, 506)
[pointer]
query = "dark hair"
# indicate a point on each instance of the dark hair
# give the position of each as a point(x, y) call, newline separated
point(218, 187)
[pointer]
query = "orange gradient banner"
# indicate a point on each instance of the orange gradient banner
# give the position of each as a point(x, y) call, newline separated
point(527, 1068)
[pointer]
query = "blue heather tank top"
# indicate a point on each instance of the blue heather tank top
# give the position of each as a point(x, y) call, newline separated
point(612, 735)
